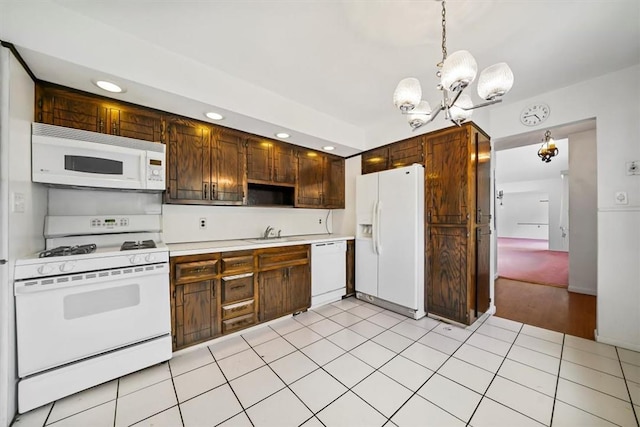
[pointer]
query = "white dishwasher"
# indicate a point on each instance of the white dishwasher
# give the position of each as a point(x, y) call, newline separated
point(328, 271)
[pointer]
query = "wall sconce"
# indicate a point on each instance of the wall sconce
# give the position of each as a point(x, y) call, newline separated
point(548, 148)
point(500, 196)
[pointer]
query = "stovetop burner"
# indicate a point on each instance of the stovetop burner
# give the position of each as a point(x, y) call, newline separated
point(130, 245)
point(68, 250)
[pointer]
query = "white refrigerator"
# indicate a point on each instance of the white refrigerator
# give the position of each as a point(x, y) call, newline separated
point(390, 239)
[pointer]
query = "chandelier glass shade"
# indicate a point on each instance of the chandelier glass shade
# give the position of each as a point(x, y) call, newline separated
point(548, 148)
point(456, 72)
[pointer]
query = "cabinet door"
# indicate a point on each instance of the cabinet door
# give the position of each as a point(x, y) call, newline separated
point(483, 179)
point(196, 312)
point(189, 162)
point(405, 153)
point(375, 160)
point(273, 294)
point(446, 272)
point(70, 109)
point(135, 123)
point(310, 179)
point(447, 177)
point(351, 267)
point(334, 183)
point(227, 172)
point(259, 160)
point(284, 164)
point(483, 277)
point(299, 288)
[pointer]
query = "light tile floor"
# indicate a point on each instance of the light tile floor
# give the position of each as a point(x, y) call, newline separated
point(354, 364)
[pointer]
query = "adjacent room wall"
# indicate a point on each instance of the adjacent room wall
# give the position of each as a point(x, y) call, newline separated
point(25, 226)
point(583, 213)
point(523, 214)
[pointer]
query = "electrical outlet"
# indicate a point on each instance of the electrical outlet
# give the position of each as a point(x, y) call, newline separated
point(319, 220)
point(202, 222)
point(633, 168)
point(18, 203)
point(621, 198)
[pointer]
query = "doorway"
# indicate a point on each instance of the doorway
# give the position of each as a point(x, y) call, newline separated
point(534, 205)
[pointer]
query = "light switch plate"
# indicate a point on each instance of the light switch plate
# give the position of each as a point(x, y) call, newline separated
point(621, 198)
point(18, 203)
point(633, 168)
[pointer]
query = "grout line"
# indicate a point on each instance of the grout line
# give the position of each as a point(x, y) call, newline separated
point(115, 410)
point(626, 384)
point(555, 395)
point(174, 392)
point(49, 414)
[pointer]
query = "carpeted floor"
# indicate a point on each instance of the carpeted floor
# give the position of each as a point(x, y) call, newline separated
point(529, 260)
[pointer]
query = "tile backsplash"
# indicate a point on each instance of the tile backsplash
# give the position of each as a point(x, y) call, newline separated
point(181, 223)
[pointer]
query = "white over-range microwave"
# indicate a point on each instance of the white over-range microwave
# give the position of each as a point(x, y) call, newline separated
point(77, 158)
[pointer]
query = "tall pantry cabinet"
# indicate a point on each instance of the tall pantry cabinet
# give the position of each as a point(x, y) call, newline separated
point(457, 209)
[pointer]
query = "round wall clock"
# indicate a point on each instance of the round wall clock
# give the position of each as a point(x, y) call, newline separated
point(535, 114)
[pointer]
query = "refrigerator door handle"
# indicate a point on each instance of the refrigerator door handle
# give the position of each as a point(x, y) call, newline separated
point(3, 261)
point(378, 240)
point(374, 228)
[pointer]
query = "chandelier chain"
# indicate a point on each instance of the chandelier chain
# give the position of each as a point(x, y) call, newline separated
point(444, 32)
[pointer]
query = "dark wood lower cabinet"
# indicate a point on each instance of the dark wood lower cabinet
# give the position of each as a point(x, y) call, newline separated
point(298, 288)
point(483, 264)
point(447, 273)
point(196, 312)
point(273, 294)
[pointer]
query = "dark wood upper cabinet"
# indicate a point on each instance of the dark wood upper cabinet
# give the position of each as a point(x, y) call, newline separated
point(309, 191)
point(375, 160)
point(483, 179)
point(189, 155)
point(407, 152)
point(64, 107)
point(228, 168)
point(271, 162)
point(333, 183)
point(447, 177)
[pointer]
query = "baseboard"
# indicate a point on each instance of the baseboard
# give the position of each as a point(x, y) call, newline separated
point(617, 343)
point(579, 290)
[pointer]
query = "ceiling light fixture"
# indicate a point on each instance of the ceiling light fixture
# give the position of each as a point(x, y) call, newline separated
point(456, 72)
point(108, 86)
point(548, 148)
point(214, 116)
point(282, 135)
point(328, 148)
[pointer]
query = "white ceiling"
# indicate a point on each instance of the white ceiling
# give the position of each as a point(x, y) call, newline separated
point(523, 163)
point(341, 59)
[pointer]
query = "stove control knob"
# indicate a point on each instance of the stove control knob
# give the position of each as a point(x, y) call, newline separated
point(67, 266)
point(150, 258)
point(135, 259)
point(45, 269)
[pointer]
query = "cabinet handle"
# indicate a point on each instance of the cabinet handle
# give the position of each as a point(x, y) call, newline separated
point(213, 290)
point(479, 216)
point(205, 193)
point(174, 294)
point(213, 192)
point(101, 125)
point(114, 128)
point(237, 276)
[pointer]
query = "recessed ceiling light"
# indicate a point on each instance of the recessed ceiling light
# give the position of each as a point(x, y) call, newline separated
point(214, 116)
point(282, 135)
point(109, 86)
point(329, 148)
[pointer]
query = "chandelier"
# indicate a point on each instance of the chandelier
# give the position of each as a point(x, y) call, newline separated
point(548, 148)
point(456, 72)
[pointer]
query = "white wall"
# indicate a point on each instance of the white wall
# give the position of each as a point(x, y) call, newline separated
point(583, 213)
point(612, 100)
point(523, 214)
point(181, 222)
point(25, 228)
point(344, 220)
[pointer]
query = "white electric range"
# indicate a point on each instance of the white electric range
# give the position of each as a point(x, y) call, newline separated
point(91, 307)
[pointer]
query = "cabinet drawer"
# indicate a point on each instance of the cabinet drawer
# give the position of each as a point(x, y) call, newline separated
point(238, 323)
point(236, 288)
point(237, 263)
point(238, 309)
point(197, 270)
point(295, 255)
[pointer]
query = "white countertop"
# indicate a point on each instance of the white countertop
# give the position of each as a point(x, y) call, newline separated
point(196, 248)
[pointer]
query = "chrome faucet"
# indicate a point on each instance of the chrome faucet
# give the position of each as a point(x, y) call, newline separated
point(267, 232)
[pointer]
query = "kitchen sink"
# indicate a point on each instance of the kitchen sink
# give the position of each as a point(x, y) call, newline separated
point(269, 240)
